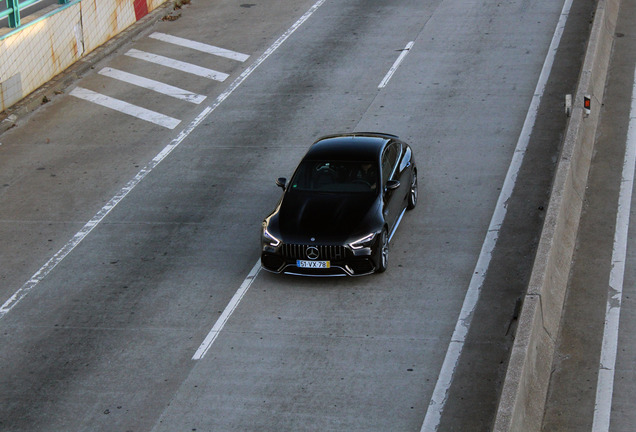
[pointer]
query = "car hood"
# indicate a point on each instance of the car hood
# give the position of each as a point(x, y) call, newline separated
point(326, 217)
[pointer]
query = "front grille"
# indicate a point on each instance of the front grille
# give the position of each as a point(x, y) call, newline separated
point(325, 252)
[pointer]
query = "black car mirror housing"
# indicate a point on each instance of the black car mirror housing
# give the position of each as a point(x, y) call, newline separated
point(392, 185)
point(281, 182)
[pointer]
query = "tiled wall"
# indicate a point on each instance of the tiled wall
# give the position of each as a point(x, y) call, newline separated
point(58, 37)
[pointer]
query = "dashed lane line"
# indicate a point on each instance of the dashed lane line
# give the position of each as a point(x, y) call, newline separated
point(227, 312)
point(396, 65)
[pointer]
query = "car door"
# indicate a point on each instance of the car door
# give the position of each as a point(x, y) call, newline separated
point(393, 198)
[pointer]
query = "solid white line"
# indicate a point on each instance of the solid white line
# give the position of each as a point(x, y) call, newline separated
point(440, 393)
point(607, 366)
point(47, 268)
point(125, 107)
point(397, 63)
point(227, 313)
point(208, 49)
point(153, 85)
point(178, 65)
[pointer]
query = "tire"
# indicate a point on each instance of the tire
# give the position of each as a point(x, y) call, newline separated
point(383, 252)
point(412, 199)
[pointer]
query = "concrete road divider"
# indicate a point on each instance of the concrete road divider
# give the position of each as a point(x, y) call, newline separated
point(525, 387)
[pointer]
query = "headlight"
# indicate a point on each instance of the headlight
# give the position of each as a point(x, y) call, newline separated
point(268, 237)
point(363, 242)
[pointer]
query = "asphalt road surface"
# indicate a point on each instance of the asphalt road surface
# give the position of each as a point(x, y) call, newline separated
point(130, 216)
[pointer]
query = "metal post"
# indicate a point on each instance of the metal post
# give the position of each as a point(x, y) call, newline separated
point(14, 16)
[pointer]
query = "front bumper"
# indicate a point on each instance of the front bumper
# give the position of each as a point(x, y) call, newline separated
point(343, 260)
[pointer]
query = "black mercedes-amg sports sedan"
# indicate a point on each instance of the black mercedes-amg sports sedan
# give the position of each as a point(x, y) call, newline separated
point(341, 207)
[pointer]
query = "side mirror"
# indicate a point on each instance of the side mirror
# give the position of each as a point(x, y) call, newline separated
point(281, 182)
point(392, 185)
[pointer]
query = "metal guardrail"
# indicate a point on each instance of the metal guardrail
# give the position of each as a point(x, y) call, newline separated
point(12, 11)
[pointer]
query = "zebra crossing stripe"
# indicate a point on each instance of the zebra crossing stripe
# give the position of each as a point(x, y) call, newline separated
point(177, 64)
point(153, 85)
point(208, 49)
point(125, 107)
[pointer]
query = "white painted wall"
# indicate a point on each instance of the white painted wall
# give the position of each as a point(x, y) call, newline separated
point(56, 37)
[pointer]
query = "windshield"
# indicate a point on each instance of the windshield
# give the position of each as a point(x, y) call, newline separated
point(335, 176)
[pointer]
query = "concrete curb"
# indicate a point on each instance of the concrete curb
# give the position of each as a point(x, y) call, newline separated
point(61, 82)
point(525, 387)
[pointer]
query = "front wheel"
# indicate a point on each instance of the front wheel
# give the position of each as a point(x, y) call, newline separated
point(383, 262)
point(412, 200)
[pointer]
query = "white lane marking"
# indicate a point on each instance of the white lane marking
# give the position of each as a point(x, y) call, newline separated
point(21, 293)
point(451, 360)
point(153, 85)
point(125, 107)
point(208, 49)
point(178, 65)
point(607, 366)
point(396, 65)
point(227, 313)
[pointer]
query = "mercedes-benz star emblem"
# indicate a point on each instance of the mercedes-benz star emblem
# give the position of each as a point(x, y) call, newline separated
point(312, 253)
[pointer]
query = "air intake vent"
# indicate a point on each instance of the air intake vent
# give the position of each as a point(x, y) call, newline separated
point(325, 252)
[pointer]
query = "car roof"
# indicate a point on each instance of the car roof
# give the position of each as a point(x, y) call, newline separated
point(359, 146)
